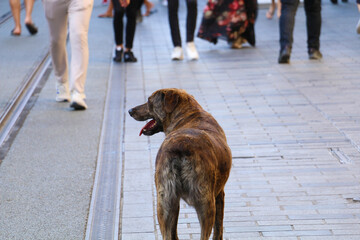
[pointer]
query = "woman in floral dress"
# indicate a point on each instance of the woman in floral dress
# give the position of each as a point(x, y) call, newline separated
point(231, 20)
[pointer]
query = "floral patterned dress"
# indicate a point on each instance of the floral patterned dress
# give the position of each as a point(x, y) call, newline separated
point(229, 20)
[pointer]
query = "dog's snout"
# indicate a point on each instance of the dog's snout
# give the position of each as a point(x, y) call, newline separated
point(131, 111)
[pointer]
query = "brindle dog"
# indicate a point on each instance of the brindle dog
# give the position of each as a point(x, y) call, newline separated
point(193, 162)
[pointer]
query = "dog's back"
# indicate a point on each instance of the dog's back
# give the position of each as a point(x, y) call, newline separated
point(189, 163)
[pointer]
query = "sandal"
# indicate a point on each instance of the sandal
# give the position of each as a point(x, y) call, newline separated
point(12, 33)
point(105, 15)
point(149, 6)
point(149, 13)
point(31, 28)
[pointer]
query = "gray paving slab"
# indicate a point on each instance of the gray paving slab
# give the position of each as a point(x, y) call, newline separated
point(283, 123)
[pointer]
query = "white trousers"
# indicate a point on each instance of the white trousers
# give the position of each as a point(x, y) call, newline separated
point(77, 13)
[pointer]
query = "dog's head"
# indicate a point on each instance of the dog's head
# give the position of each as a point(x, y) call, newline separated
point(160, 105)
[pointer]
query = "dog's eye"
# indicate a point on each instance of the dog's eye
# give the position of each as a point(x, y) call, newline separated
point(150, 105)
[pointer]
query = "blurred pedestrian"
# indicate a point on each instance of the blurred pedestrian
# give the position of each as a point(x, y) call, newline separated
point(177, 53)
point(15, 10)
point(231, 20)
point(313, 24)
point(130, 9)
point(272, 7)
point(73, 16)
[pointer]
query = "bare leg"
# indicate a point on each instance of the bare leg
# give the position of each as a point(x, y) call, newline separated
point(270, 12)
point(15, 9)
point(29, 5)
point(149, 5)
point(108, 13)
point(278, 8)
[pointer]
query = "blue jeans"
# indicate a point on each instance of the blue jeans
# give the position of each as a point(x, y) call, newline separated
point(313, 22)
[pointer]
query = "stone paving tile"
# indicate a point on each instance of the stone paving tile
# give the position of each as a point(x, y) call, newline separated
point(342, 237)
point(138, 236)
point(283, 124)
point(137, 225)
point(298, 233)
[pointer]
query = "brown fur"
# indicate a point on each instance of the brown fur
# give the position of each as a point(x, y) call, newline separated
point(193, 162)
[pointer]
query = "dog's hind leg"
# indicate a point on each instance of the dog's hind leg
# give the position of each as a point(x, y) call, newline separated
point(218, 226)
point(206, 214)
point(168, 213)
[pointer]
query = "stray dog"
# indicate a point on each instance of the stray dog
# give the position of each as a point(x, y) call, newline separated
point(193, 162)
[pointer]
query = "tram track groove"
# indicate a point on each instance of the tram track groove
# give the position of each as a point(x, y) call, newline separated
point(104, 218)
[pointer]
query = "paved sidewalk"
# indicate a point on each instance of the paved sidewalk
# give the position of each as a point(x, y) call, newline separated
point(294, 130)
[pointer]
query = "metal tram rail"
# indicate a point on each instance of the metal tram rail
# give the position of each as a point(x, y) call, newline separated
point(12, 113)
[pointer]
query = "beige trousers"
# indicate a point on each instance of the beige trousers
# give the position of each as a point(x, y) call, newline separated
point(74, 15)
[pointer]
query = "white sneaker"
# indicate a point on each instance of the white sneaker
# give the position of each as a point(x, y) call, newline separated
point(78, 101)
point(177, 54)
point(358, 27)
point(191, 51)
point(62, 92)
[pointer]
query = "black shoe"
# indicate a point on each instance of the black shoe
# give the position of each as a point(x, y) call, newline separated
point(314, 54)
point(31, 28)
point(284, 56)
point(118, 55)
point(344, 1)
point(334, 1)
point(129, 57)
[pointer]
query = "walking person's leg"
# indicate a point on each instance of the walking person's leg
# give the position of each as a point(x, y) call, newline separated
point(173, 7)
point(15, 10)
point(191, 19)
point(313, 26)
point(270, 12)
point(190, 29)
point(57, 18)
point(29, 5)
point(79, 19)
point(131, 12)
point(118, 26)
point(286, 26)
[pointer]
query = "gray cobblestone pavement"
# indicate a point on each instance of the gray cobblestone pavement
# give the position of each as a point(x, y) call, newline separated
point(294, 131)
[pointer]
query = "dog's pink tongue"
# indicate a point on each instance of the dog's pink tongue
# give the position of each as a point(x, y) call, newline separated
point(150, 123)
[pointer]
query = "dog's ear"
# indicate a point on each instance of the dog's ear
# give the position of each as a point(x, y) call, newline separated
point(171, 100)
